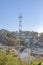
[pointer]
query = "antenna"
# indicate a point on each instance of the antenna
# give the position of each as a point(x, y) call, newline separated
point(20, 27)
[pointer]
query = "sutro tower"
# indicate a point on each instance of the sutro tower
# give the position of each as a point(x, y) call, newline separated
point(20, 27)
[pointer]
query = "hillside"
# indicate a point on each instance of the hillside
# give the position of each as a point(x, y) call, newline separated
point(7, 38)
point(10, 38)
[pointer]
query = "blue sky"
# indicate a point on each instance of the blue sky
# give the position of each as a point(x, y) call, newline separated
point(31, 11)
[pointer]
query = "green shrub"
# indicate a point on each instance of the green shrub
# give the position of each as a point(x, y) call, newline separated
point(10, 59)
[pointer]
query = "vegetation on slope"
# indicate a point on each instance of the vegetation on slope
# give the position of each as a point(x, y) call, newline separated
point(10, 59)
point(10, 38)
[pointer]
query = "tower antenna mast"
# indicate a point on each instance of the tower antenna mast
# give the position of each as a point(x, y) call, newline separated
point(20, 27)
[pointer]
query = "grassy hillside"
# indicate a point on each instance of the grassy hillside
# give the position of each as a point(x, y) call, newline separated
point(11, 59)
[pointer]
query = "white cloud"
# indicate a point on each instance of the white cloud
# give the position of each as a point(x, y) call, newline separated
point(40, 29)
